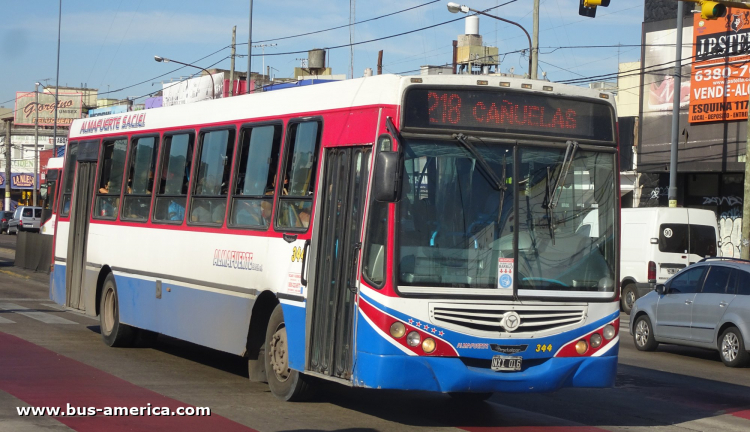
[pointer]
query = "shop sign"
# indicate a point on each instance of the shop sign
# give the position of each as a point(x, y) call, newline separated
point(69, 108)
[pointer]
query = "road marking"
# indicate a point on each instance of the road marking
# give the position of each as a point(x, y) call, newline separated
point(8, 272)
point(8, 251)
point(39, 316)
point(6, 321)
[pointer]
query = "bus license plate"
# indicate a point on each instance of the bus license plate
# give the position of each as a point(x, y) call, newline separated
point(505, 363)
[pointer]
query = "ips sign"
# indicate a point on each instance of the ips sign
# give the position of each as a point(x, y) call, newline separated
point(721, 71)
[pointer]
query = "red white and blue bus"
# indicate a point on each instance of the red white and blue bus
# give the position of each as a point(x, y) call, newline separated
point(448, 233)
point(48, 192)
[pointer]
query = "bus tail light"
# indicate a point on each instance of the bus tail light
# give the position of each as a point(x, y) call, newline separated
point(651, 272)
point(588, 345)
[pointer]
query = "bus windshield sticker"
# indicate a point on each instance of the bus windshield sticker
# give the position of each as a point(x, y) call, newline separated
point(505, 273)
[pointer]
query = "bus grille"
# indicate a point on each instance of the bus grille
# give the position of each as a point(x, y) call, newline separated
point(540, 318)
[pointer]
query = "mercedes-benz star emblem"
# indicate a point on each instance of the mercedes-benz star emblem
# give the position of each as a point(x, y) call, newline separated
point(511, 321)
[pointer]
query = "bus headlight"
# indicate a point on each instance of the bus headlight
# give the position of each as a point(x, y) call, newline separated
point(582, 347)
point(609, 331)
point(398, 330)
point(596, 340)
point(413, 339)
point(429, 345)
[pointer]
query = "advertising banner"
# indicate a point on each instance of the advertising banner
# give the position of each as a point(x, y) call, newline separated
point(69, 108)
point(19, 180)
point(192, 90)
point(720, 73)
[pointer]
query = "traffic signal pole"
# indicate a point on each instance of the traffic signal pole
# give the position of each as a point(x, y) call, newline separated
point(677, 74)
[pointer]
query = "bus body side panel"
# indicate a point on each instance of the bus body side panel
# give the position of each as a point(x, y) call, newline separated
point(59, 256)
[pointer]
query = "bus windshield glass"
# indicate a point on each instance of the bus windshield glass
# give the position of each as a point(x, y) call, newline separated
point(456, 226)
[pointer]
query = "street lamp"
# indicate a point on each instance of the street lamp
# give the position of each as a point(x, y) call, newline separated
point(166, 60)
point(456, 8)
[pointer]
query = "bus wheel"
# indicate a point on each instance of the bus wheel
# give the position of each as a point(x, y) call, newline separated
point(113, 332)
point(285, 383)
point(470, 397)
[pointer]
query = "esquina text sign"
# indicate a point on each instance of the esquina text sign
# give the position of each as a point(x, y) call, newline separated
point(508, 111)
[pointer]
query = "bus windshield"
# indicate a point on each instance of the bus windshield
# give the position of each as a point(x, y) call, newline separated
point(456, 226)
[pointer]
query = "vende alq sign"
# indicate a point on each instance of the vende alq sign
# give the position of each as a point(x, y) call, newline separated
point(69, 108)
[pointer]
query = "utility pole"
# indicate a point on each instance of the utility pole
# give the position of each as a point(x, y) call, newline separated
point(250, 49)
point(36, 142)
point(231, 65)
point(57, 79)
point(535, 41)
point(745, 243)
point(380, 62)
point(8, 124)
point(677, 83)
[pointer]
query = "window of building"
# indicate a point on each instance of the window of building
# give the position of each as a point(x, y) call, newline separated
point(209, 198)
point(111, 169)
point(255, 182)
point(174, 178)
point(136, 202)
point(295, 200)
point(68, 177)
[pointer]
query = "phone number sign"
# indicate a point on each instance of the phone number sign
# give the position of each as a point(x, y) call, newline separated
point(721, 68)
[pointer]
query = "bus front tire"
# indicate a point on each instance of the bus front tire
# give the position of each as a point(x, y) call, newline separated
point(114, 333)
point(285, 383)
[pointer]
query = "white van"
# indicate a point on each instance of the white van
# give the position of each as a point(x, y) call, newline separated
point(657, 242)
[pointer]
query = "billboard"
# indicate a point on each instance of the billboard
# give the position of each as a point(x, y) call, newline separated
point(69, 108)
point(703, 146)
point(720, 75)
point(116, 109)
point(193, 90)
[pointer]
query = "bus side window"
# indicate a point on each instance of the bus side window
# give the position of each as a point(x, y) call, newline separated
point(208, 203)
point(373, 254)
point(136, 202)
point(70, 169)
point(171, 197)
point(255, 180)
point(111, 169)
point(295, 200)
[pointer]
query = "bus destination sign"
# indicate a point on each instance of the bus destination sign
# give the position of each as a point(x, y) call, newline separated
point(507, 111)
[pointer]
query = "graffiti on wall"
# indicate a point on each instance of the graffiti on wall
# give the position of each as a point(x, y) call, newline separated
point(728, 200)
point(730, 226)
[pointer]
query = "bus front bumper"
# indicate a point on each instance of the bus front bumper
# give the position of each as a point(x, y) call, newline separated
point(450, 374)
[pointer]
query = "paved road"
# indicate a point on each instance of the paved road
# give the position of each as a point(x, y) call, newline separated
point(50, 357)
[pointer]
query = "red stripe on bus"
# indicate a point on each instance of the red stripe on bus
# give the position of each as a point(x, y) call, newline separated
point(43, 378)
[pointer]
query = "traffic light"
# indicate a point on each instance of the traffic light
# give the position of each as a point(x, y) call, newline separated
point(711, 10)
point(587, 8)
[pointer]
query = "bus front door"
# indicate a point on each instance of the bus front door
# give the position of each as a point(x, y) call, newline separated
point(344, 190)
point(80, 209)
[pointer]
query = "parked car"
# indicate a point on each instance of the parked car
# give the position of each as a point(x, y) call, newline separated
point(705, 305)
point(25, 219)
point(5, 217)
point(658, 242)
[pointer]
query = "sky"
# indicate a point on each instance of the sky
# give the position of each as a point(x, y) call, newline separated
point(110, 45)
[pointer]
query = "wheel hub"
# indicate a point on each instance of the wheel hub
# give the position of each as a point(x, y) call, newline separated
point(730, 347)
point(641, 333)
point(278, 354)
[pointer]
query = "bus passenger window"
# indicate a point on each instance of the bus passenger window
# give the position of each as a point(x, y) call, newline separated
point(174, 178)
point(70, 169)
point(110, 179)
point(295, 203)
point(209, 198)
point(136, 203)
point(255, 181)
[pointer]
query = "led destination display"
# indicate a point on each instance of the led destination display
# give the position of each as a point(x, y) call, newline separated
point(507, 111)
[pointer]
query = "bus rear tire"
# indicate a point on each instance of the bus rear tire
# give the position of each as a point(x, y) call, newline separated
point(114, 333)
point(285, 383)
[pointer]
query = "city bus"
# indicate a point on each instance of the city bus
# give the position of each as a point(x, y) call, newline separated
point(450, 233)
point(48, 192)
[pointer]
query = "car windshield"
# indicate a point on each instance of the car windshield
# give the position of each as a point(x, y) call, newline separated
point(456, 226)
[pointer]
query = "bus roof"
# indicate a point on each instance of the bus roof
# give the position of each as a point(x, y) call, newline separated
point(308, 100)
point(55, 163)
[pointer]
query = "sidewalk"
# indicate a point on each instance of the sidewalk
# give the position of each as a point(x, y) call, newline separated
point(7, 256)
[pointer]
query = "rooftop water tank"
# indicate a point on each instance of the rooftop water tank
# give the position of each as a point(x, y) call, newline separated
point(316, 59)
point(472, 25)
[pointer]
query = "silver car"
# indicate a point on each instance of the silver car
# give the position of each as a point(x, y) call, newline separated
point(705, 305)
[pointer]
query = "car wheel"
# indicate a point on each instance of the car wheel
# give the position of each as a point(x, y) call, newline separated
point(285, 383)
point(643, 336)
point(732, 348)
point(628, 297)
point(114, 333)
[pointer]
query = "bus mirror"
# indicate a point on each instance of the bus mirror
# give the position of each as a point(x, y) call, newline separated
point(386, 180)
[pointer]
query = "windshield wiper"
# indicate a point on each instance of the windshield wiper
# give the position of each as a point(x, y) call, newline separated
point(494, 180)
point(553, 195)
